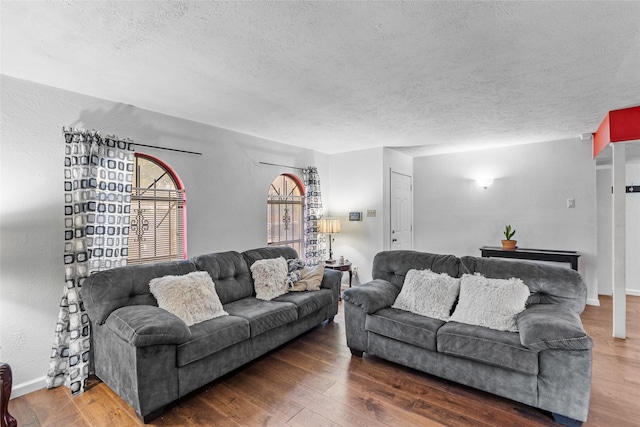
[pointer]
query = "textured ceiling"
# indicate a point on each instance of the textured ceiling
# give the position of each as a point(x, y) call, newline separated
point(337, 76)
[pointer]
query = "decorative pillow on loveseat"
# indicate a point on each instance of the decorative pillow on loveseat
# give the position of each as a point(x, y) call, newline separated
point(544, 326)
point(428, 294)
point(492, 303)
point(310, 279)
point(191, 297)
point(270, 277)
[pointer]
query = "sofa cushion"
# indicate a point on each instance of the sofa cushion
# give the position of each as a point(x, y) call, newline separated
point(307, 302)
point(192, 297)
point(548, 284)
point(211, 336)
point(428, 294)
point(270, 278)
point(262, 315)
point(404, 326)
point(393, 266)
point(253, 255)
point(229, 272)
point(544, 326)
point(492, 303)
point(107, 290)
point(486, 345)
point(143, 325)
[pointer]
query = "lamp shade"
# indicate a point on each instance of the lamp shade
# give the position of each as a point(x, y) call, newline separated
point(329, 225)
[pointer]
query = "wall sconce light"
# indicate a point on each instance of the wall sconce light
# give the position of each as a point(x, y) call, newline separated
point(484, 182)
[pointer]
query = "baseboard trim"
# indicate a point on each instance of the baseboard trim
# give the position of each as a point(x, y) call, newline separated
point(633, 292)
point(593, 301)
point(28, 387)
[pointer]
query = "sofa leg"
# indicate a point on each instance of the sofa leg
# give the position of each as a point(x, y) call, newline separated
point(356, 353)
point(330, 319)
point(566, 421)
point(152, 415)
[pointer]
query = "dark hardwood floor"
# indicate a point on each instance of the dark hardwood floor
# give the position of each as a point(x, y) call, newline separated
point(314, 381)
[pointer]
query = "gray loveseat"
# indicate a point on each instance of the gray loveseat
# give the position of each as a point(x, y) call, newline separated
point(150, 358)
point(546, 364)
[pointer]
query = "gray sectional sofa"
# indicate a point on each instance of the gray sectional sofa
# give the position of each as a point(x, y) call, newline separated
point(150, 358)
point(546, 364)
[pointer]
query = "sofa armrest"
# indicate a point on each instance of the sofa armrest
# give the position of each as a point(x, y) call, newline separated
point(144, 325)
point(372, 296)
point(552, 326)
point(331, 279)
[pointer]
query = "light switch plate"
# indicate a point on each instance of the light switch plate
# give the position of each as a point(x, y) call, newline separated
point(371, 212)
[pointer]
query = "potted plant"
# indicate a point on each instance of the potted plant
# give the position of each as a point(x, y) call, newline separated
point(509, 244)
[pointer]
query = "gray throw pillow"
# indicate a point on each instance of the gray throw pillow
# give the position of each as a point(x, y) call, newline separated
point(556, 326)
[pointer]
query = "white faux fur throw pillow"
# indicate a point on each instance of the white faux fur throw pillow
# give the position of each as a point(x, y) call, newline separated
point(191, 297)
point(270, 277)
point(428, 294)
point(492, 303)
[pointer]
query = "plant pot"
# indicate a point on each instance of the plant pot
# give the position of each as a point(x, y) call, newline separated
point(509, 245)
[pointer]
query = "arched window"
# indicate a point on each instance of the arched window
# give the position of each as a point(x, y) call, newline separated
point(158, 213)
point(285, 213)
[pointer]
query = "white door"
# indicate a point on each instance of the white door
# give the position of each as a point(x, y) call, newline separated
point(401, 212)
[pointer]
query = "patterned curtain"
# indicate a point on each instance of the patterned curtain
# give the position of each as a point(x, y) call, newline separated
point(98, 175)
point(314, 249)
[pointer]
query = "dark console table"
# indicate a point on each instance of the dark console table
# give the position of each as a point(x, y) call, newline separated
point(533, 254)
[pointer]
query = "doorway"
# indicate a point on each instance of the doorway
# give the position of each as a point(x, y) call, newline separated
point(401, 211)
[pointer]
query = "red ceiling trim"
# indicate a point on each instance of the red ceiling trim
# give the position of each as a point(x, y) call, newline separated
point(602, 137)
point(625, 124)
point(617, 126)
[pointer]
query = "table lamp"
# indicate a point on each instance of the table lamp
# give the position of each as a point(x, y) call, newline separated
point(329, 226)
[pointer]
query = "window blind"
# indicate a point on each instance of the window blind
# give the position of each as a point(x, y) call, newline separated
point(157, 225)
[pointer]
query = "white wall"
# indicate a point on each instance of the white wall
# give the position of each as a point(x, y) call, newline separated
point(360, 181)
point(356, 185)
point(226, 200)
point(454, 215)
point(605, 230)
point(605, 236)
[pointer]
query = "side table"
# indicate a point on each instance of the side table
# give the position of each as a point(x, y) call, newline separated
point(340, 267)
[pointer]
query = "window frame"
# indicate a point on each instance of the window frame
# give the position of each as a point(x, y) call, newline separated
point(179, 188)
point(300, 202)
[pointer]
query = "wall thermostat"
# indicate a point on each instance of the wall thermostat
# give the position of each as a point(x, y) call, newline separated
point(355, 216)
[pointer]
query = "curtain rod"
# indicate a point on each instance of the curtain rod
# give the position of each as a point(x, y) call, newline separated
point(168, 149)
point(128, 141)
point(282, 166)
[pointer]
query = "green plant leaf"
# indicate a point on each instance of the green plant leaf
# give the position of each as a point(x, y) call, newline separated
point(508, 232)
